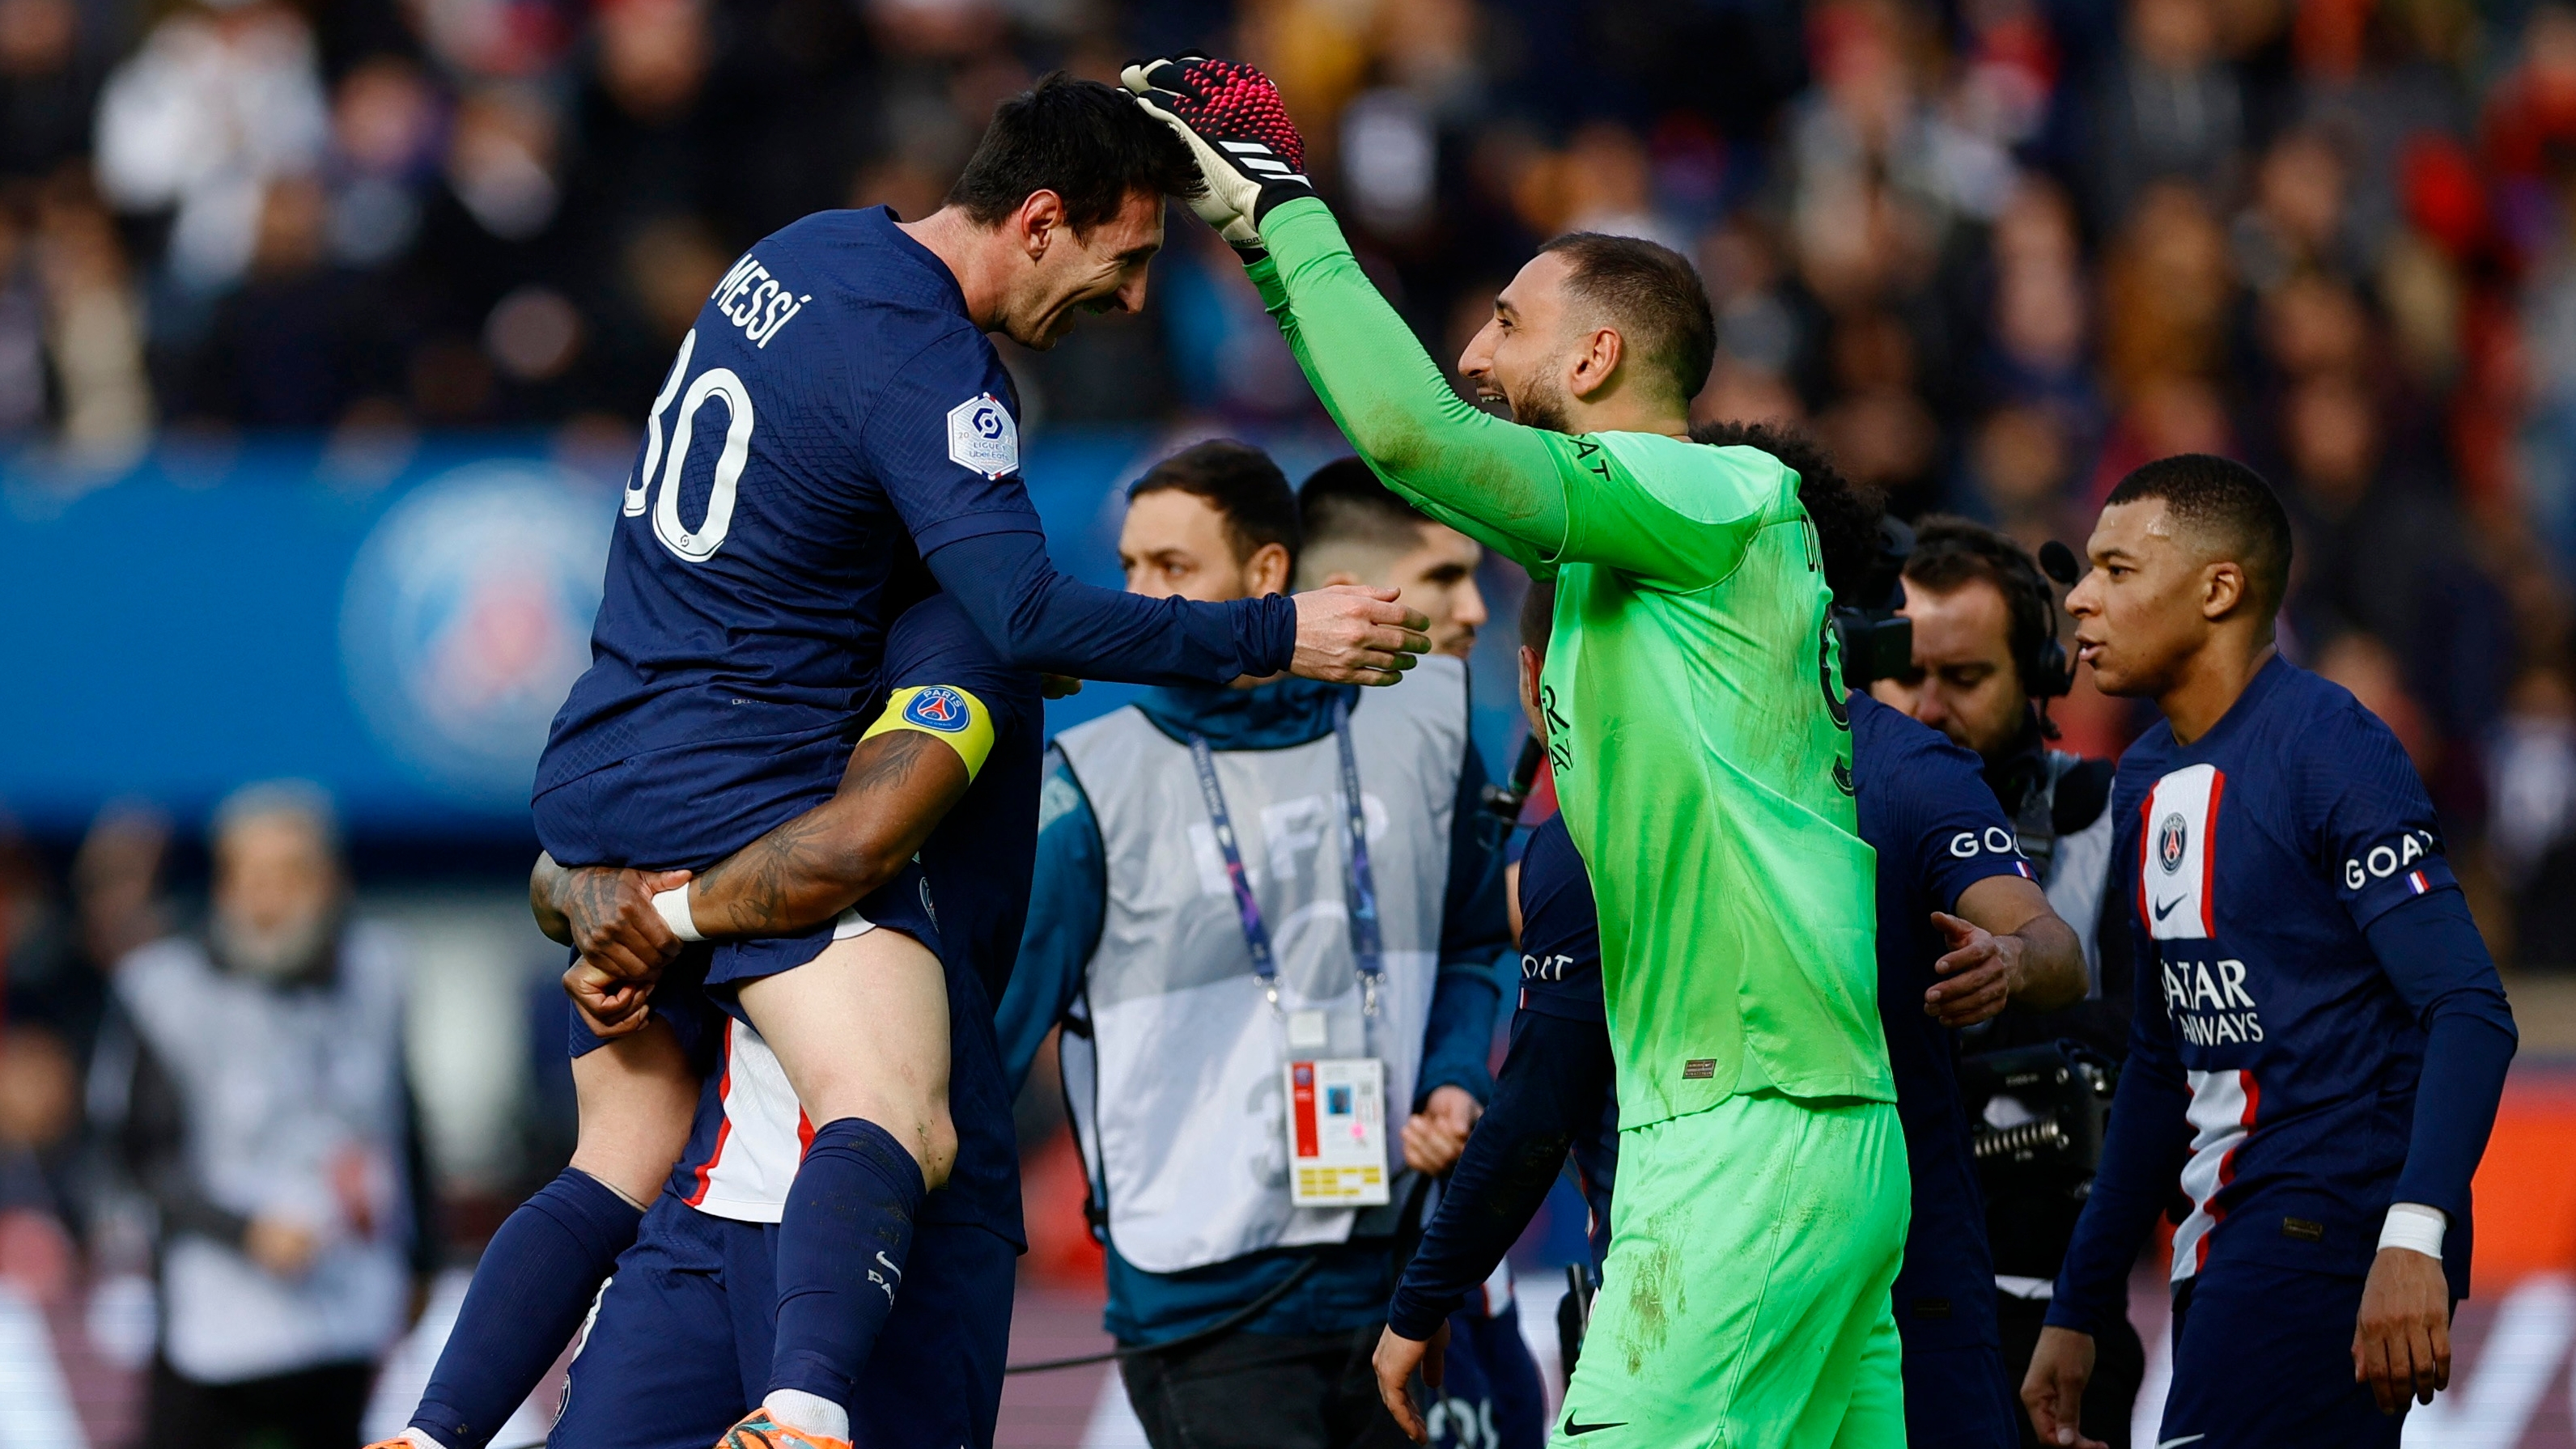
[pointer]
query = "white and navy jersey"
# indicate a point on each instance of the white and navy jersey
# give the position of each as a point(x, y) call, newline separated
point(2256, 857)
point(833, 398)
point(750, 1133)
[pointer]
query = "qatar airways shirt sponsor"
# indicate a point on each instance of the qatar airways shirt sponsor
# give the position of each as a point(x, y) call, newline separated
point(2256, 857)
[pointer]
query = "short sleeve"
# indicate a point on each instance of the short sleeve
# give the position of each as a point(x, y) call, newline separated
point(942, 435)
point(2368, 818)
point(1560, 930)
point(1669, 512)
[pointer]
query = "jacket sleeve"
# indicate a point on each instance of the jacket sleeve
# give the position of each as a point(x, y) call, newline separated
point(1068, 903)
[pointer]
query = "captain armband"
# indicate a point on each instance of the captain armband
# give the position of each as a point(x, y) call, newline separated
point(945, 711)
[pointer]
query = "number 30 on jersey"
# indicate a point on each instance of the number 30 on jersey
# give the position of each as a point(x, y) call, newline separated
point(691, 545)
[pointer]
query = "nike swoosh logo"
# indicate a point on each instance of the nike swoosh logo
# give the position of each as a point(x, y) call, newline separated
point(2164, 909)
point(1572, 1427)
point(2185, 1439)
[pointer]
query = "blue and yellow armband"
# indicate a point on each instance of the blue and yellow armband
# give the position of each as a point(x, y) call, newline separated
point(943, 710)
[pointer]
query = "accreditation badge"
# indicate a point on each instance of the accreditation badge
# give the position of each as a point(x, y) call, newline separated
point(1337, 1132)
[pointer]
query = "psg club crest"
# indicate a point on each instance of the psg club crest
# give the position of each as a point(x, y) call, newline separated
point(467, 616)
point(2170, 839)
point(982, 436)
point(938, 708)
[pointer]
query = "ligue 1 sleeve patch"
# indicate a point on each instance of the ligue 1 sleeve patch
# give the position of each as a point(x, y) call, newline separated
point(982, 436)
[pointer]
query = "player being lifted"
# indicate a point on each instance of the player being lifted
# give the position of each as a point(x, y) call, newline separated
point(2320, 1037)
point(837, 402)
point(1704, 765)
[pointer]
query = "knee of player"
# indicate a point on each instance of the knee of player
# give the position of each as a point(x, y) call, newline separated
point(935, 1146)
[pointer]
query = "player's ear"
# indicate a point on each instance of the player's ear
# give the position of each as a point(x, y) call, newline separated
point(1038, 221)
point(1594, 361)
point(2222, 588)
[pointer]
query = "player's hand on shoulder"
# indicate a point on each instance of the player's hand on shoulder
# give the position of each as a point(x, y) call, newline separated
point(1355, 634)
point(2052, 1393)
point(613, 922)
point(1979, 973)
point(1059, 686)
point(1396, 1358)
point(2401, 1346)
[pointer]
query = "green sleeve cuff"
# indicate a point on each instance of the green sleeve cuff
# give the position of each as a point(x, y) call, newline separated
point(1299, 231)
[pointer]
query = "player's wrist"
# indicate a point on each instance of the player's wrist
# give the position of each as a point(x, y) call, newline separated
point(2416, 1228)
point(673, 907)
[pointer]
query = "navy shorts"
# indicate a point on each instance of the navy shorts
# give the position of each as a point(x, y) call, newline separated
point(2262, 1356)
point(679, 1349)
point(1959, 1398)
point(705, 978)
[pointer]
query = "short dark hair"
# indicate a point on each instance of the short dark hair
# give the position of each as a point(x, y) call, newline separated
point(2232, 505)
point(1538, 615)
point(1653, 293)
point(1240, 482)
point(1846, 514)
point(1087, 142)
point(1344, 500)
point(1951, 553)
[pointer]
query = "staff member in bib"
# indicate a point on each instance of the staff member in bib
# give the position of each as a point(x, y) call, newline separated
point(1232, 880)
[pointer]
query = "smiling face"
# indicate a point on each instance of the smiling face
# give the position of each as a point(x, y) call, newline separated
point(1525, 352)
point(2152, 600)
point(1071, 273)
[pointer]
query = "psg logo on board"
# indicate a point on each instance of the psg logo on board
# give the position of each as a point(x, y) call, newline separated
point(2169, 843)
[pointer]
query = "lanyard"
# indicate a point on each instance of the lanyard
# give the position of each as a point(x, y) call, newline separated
point(1365, 949)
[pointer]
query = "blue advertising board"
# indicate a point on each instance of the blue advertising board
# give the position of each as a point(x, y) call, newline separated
point(204, 620)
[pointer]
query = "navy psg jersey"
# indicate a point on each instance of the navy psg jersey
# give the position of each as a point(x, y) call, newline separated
point(833, 398)
point(2256, 856)
point(750, 1133)
point(1926, 810)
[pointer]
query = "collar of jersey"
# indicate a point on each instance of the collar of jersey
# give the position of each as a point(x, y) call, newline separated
point(884, 218)
point(1274, 716)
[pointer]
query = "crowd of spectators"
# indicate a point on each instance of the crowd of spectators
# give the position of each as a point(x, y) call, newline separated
point(1992, 252)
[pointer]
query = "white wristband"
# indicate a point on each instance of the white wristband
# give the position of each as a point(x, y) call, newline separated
point(2416, 1227)
point(674, 906)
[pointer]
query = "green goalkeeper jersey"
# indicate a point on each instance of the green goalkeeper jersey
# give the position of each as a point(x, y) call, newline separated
point(1696, 724)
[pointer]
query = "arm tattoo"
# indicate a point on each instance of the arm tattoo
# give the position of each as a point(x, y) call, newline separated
point(780, 881)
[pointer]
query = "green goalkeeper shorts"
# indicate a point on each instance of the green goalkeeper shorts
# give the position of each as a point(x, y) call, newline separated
point(1745, 1300)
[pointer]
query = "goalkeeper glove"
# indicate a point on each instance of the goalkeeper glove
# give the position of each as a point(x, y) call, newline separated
point(1249, 153)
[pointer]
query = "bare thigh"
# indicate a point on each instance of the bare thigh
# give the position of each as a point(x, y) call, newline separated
point(863, 1032)
point(637, 1096)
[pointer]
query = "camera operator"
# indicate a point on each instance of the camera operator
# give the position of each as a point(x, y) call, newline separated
point(1986, 661)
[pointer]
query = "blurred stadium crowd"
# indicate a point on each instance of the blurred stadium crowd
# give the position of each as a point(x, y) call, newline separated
point(1994, 252)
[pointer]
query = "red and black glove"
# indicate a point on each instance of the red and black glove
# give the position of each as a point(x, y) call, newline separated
point(1249, 153)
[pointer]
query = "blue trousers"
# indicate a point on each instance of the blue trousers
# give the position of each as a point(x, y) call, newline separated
point(2263, 1357)
point(680, 1347)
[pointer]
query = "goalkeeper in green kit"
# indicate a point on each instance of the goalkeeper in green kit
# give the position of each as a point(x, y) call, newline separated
point(1703, 761)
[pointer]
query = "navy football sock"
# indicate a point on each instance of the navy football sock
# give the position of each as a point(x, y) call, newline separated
point(841, 1250)
point(530, 1293)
